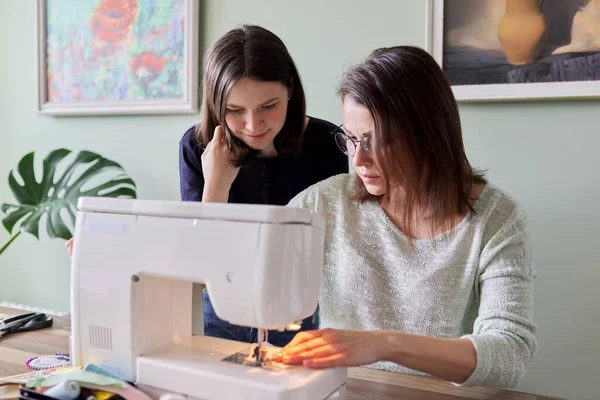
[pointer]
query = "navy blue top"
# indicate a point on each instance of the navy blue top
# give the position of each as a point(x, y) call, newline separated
point(273, 181)
point(268, 180)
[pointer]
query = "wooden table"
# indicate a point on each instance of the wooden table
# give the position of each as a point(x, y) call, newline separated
point(363, 384)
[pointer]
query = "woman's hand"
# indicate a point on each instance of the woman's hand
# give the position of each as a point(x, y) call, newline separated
point(219, 172)
point(329, 348)
point(453, 360)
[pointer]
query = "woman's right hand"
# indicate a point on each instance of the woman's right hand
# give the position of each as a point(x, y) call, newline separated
point(219, 172)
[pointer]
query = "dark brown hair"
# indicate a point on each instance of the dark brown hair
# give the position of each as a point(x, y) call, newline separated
point(418, 139)
point(253, 52)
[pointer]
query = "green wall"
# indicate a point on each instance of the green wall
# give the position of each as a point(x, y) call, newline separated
point(543, 153)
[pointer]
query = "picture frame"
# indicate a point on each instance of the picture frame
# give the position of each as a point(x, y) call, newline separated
point(140, 59)
point(554, 75)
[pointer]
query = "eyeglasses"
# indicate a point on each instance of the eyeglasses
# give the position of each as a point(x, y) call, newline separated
point(348, 145)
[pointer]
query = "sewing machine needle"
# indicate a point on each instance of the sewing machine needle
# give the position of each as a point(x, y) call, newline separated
point(262, 338)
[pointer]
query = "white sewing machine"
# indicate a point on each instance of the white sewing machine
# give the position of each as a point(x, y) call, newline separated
point(134, 262)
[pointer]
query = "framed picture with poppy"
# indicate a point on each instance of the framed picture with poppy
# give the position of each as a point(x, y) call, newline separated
point(111, 57)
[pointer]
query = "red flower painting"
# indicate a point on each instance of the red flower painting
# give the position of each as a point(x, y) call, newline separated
point(113, 19)
point(115, 50)
point(149, 64)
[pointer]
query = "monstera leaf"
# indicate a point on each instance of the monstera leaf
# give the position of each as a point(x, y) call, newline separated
point(57, 192)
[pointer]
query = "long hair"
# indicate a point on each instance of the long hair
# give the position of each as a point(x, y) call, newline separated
point(418, 139)
point(253, 52)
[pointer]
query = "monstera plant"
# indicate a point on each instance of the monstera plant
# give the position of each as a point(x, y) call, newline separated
point(58, 191)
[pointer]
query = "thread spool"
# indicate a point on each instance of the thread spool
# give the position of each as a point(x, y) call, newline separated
point(172, 396)
point(66, 390)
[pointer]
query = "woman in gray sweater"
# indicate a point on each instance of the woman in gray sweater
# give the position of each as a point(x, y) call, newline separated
point(427, 266)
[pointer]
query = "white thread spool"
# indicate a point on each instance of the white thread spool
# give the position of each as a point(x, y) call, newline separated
point(172, 396)
point(66, 390)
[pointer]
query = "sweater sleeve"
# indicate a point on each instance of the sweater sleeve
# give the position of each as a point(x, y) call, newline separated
point(303, 199)
point(191, 177)
point(504, 331)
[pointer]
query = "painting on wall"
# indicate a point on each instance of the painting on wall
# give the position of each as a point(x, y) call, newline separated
point(517, 49)
point(110, 57)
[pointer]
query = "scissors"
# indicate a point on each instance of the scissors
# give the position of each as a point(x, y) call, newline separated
point(24, 322)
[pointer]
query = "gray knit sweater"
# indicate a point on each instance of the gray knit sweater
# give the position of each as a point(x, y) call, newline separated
point(476, 283)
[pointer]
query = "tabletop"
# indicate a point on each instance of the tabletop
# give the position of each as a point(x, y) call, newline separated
point(363, 383)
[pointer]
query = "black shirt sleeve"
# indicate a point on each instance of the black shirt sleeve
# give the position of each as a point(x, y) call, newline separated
point(272, 180)
point(335, 162)
point(325, 151)
point(191, 178)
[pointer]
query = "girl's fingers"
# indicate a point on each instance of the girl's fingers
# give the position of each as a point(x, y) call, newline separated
point(218, 136)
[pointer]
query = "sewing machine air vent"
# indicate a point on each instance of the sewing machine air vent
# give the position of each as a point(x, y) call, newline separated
point(101, 337)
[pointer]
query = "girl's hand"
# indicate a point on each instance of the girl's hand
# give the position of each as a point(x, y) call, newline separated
point(329, 348)
point(219, 172)
point(69, 248)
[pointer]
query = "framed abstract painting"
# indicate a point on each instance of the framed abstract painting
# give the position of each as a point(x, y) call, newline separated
point(517, 49)
point(112, 57)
